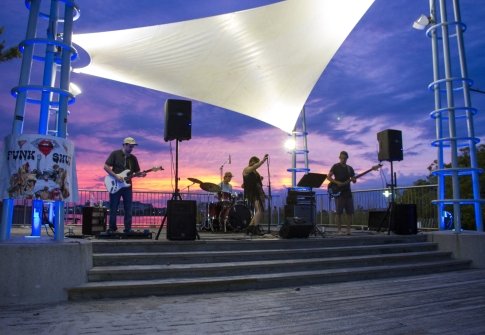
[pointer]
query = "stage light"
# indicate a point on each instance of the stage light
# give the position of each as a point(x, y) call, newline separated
point(421, 23)
point(386, 193)
point(290, 144)
point(74, 89)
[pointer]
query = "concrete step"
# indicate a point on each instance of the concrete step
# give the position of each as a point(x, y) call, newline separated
point(142, 268)
point(235, 255)
point(243, 243)
point(155, 271)
point(176, 286)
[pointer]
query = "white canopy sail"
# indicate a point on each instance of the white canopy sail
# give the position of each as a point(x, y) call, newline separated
point(261, 62)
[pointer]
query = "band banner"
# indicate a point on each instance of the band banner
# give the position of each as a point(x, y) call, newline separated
point(35, 166)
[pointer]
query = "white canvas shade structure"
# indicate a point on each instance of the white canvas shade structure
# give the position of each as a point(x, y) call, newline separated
point(261, 62)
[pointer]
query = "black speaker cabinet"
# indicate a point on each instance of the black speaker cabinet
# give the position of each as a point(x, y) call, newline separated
point(405, 219)
point(378, 220)
point(94, 220)
point(178, 120)
point(181, 219)
point(390, 145)
point(305, 212)
point(295, 228)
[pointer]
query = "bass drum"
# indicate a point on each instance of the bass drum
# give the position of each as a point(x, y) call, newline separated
point(239, 217)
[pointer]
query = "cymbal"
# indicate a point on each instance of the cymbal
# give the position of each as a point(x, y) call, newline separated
point(210, 187)
point(195, 180)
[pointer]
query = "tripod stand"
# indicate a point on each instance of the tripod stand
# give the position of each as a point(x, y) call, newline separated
point(176, 195)
point(390, 207)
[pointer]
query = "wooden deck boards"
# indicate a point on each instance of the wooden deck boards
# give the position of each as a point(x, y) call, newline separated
point(444, 303)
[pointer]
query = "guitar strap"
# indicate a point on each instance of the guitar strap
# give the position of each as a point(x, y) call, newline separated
point(349, 172)
point(128, 163)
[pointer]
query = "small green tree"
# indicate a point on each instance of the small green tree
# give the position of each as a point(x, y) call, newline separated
point(9, 53)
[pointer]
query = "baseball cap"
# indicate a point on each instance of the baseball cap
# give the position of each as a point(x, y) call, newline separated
point(129, 140)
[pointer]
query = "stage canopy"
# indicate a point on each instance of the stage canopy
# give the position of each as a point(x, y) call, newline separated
point(261, 62)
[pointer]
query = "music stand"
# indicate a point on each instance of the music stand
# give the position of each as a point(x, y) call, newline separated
point(313, 180)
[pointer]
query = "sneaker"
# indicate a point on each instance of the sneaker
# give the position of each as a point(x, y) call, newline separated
point(111, 230)
point(127, 231)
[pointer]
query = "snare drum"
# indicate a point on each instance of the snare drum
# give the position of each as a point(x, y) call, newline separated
point(239, 217)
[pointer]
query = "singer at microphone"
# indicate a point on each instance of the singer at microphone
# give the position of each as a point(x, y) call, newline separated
point(254, 193)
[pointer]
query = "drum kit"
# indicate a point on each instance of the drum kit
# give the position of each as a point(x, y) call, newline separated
point(228, 213)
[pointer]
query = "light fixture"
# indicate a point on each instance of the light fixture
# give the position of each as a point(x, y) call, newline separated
point(421, 23)
point(290, 144)
point(74, 89)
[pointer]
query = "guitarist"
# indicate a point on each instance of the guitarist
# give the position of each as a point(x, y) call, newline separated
point(341, 175)
point(117, 162)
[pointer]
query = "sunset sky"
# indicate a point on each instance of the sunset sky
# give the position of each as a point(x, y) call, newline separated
point(377, 80)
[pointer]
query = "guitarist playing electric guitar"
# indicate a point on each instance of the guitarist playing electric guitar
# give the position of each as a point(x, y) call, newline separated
point(340, 176)
point(119, 161)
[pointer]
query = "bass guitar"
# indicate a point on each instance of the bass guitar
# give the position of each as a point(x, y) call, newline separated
point(113, 185)
point(334, 190)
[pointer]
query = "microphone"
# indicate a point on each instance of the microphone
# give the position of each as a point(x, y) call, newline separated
point(229, 159)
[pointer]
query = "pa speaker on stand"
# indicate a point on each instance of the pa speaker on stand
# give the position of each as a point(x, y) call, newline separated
point(390, 145)
point(178, 120)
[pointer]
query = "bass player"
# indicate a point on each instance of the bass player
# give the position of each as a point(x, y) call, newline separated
point(341, 175)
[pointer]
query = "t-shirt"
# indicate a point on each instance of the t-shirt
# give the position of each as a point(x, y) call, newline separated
point(121, 162)
point(343, 173)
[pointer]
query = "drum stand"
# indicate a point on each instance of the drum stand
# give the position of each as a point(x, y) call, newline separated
point(207, 224)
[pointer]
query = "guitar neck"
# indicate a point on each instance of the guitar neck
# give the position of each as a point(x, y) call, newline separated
point(364, 173)
point(367, 171)
point(145, 171)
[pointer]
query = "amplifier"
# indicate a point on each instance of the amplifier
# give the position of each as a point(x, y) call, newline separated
point(300, 197)
point(94, 220)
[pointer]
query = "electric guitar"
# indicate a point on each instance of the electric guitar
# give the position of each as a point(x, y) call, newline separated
point(113, 185)
point(334, 190)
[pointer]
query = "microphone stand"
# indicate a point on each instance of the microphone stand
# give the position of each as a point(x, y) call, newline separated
point(221, 169)
point(269, 198)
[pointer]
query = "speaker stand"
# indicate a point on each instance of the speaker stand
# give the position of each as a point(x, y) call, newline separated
point(390, 207)
point(176, 195)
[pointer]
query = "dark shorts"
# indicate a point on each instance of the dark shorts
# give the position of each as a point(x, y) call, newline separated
point(346, 203)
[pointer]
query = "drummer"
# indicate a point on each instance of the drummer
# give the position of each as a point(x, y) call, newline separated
point(225, 185)
point(225, 194)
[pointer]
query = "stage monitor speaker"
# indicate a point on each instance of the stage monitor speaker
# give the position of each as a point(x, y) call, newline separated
point(178, 120)
point(181, 219)
point(378, 220)
point(405, 219)
point(390, 145)
point(295, 228)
